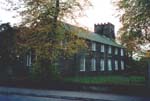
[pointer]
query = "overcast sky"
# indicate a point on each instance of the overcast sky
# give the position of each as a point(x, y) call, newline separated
point(102, 11)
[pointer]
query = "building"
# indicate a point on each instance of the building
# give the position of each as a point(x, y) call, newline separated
point(103, 53)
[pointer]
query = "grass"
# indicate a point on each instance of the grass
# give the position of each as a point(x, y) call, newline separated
point(110, 79)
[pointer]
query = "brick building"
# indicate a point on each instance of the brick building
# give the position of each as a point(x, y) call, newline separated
point(103, 53)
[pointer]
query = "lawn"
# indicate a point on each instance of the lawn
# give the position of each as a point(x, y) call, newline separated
point(109, 79)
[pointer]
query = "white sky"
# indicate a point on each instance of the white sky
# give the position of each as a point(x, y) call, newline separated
point(102, 11)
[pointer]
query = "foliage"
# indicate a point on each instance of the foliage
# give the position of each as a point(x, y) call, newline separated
point(43, 31)
point(109, 79)
point(47, 72)
point(138, 67)
point(134, 16)
point(148, 54)
point(7, 48)
point(8, 42)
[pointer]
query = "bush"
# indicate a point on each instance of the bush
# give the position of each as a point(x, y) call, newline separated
point(137, 67)
point(43, 70)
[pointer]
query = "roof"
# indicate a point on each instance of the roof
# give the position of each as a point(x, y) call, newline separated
point(99, 38)
point(85, 34)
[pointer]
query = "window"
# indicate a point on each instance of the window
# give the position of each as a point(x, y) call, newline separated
point(122, 52)
point(109, 65)
point(29, 61)
point(102, 68)
point(122, 65)
point(93, 46)
point(109, 49)
point(93, 64)
point(116, 51)
point(116, 65)
point(82, 64)
point(102, 48)
point(2, 29)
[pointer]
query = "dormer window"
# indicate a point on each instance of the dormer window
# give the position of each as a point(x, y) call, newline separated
point(102, 48)
point(93, 46)
point(109, 50)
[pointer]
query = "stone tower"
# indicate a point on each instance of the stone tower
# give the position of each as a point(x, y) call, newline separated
point(106, 29)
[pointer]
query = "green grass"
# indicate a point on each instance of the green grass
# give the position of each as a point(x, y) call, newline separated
point(111, 79)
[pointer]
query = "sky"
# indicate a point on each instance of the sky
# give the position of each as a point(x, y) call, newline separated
point(102, 11)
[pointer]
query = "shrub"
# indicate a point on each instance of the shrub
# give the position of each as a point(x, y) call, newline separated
point(43, 70)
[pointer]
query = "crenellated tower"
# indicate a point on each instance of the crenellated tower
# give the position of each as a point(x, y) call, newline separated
point(106, 29)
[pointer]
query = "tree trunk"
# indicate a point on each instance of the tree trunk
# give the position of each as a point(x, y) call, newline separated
point(55, 16)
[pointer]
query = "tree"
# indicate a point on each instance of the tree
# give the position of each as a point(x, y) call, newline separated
point(134, 16)
point(148, 54)
point(43, 31)
point(8, 49)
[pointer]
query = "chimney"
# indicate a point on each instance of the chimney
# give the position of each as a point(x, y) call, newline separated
point(106, 29)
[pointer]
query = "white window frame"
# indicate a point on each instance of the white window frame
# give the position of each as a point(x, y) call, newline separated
point(102, 65)
point(82, 64)
point(116, 65)
point(109, 49)
point(2, 29)
point(29, 59)
point(109, 65)
point(93, 64)
point(102, 48)
point(122, 52)
point(122, 65)
point(93, 46)
point(116, 51)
